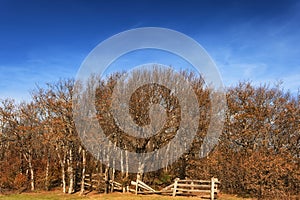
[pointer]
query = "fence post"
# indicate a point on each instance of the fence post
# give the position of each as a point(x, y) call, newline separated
point(212, 188)
point(138, 177)
point(136, 186)
point(175, 187)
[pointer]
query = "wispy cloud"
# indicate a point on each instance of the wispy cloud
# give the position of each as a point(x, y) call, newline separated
point(261, 51)
point(255, 41)
point(18, 80)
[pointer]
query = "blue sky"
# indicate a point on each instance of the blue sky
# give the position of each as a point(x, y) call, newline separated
point(45, 40)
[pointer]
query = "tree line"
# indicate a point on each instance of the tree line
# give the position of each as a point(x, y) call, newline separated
point(258, 153)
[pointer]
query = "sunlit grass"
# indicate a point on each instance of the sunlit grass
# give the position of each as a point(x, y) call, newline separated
point(115, 196)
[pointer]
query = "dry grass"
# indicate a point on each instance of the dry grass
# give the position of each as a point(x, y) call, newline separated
point(57, 195)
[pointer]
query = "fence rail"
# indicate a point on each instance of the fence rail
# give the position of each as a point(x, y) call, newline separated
point(182, 187)
point(179, 187)
point(196, 186)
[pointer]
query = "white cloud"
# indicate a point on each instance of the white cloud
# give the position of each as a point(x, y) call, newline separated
point(18, 80)
point(292, 82)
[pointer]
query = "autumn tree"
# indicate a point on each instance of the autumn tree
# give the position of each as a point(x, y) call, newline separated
point(257, 153)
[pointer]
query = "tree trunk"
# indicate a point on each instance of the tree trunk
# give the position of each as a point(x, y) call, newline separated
point(71, 172)
point(127, 164)
point(63, 171)
point(106, 178)
point(140, 173)
point(31, 173)
point(47, 173)
point(113, 177)
point(28, 158)
point(167, 153)
point(122, 163)
point(83, 171)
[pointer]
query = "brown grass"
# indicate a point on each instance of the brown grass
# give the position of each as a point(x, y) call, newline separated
point(57, 195)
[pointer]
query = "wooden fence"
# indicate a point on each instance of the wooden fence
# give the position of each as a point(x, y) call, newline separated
point(140, 184)
point(181, 187)
point(195, 186)
point(92, 181)
point(95, 181)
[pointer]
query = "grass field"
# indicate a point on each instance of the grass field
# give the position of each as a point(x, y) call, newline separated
point(115, 196)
